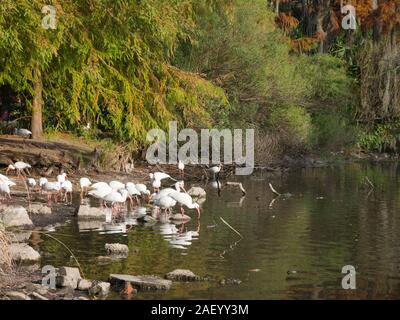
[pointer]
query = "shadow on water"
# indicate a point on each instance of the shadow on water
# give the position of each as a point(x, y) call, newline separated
point(293, 249)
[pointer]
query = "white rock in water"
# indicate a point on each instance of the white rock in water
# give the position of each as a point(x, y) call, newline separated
point(15, 216)
point(21, 252)
point(100, 289)
point(116, 248)
point(70, 272)
point(84, 285)
point(37, 208)
point(143, 282)
point(182, 275)
point(88, 213)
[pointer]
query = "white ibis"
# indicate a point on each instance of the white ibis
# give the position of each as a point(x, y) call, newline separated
point(5, 184)
point(25, 133)
point(52, 189)
point(84, 184)
point(142, 188)
point(31, 183)
point(166, 203)
point(116, 198)
point(67, 187)
point(215, 170)
point(133, 192)
point(156, 185)
point(181, 168)
point(42, 182)
point(179, 186)
point(99, 190)
point(185, 200)
point(116, 185)
point(62, 177)
point(160, 176)
point(20, 167)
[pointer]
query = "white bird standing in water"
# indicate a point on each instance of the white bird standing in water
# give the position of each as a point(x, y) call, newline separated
point(67, 187)
point(84, 184)
point(116, 198)
point(185, 200)
point(99, 190)
point(52, 189)
point(133, 192)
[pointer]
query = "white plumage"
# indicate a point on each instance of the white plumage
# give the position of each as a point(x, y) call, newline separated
point(116, 185)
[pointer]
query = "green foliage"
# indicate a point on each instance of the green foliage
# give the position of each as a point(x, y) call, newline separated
point(333, 130)
point(383, 137)
point(108, 63)
point(294, 124)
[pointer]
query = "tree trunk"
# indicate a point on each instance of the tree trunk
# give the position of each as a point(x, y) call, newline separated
point(37, 103)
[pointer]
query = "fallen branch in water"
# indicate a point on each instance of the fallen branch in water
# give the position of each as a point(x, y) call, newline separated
point(273, 190)
point(239, 184)
point(369, 182)
point(237, 232)
point(66, 247)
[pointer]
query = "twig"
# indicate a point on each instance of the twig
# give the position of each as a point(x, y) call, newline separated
point(273, 190)
point(237, 232)
point(237, 184)
point(369, 182)
point(66, 247)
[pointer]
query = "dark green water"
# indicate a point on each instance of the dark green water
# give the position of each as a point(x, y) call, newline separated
point(333, 219)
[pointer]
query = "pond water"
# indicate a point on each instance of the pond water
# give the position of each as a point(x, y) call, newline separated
point(293, 248)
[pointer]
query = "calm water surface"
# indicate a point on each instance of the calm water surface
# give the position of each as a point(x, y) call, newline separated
point(299, 244)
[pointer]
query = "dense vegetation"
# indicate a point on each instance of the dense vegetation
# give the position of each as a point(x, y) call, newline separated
point(287, 69)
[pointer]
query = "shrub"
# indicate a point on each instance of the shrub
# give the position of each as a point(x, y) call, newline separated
point(294, 125)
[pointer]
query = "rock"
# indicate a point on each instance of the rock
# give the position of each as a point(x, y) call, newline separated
point(37, 208)
point(70, 272)
point(14, 216)
point(182, 275)
point(21, 252)
point(117, 248)
point(142, 282)
point(92, 213)
point(148, 218)
point(68, 277)
point(85, 225)
point(84, 285)
point(99, 289)
point(20, 236)
point(37, 296)
point(180, 217)
point(15, 295)
point(197, 192)
point(34, 287)
point(66, 282)
point(230, 281)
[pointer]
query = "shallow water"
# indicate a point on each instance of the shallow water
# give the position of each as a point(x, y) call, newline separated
point(294, 248)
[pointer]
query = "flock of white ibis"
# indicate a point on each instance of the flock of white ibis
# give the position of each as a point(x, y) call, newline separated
point(114, 193)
